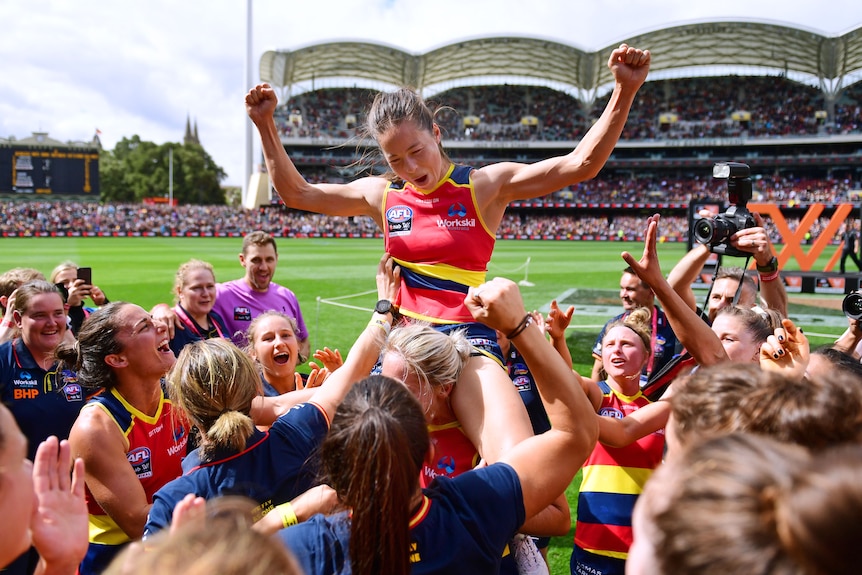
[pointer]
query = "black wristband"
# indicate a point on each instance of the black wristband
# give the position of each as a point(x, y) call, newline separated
point(772, 266)
point(528, 319)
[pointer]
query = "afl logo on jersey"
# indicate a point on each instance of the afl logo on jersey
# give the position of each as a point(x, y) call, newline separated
point(141, 462)
point(399, 220)
point(611, 412)
point(73, 392)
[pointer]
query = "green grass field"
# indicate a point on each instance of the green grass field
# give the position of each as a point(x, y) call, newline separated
point(334, 281)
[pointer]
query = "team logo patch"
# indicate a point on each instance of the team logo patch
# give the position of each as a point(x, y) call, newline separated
point(522, 382)
point(179, 432)
point(457, 210)
point(241, 313)
point(141, 462)
point(73, 392)
point(446, 465)
point(399, 220)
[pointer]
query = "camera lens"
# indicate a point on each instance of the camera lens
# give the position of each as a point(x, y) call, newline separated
point(703, 231)
point(852, 305)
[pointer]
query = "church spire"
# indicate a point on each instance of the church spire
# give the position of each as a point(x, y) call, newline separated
point(191, 137)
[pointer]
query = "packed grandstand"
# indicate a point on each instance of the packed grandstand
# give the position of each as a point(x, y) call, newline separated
point(787, 101)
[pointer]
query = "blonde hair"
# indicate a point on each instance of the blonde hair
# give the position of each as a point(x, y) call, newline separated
point(435, 357)
point(180, 279)
point(61, 267)
point(214, 383)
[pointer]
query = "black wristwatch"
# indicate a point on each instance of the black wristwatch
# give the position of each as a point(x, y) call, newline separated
point(772, 266)
point(383, 306)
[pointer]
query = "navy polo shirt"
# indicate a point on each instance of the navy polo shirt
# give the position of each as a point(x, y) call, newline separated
point(44, 403)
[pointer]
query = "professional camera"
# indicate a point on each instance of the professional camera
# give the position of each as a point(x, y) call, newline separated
point(852, 305)
point(716, 232)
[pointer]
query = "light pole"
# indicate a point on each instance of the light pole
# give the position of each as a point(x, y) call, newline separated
point(171, 177)
point(248, 85)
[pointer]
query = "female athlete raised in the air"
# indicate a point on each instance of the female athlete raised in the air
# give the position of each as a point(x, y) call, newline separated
point(439, 220)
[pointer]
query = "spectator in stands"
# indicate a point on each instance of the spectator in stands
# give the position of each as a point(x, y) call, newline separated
point(634, 293)
point(130, 439)
point(374, 452)
point(849, 247)
point(76, 290)
point(728, 283)
point(194, 298)
point(430, 209)
point(40, 502)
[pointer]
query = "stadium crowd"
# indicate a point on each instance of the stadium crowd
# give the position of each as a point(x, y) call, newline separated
point(706, 107)
point(611, 208)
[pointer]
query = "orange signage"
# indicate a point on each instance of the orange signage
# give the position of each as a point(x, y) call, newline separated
point(795, 240)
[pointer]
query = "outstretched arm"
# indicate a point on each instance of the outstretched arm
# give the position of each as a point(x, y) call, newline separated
point(545, 463)
point(520, 181)
point(359, 362)
point(686, 271)
point(361, 197)
point(697, 337)
point(849, 341)
point(637, 424)
point(365, 352)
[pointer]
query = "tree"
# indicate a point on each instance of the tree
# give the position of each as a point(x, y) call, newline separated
point(136, 169)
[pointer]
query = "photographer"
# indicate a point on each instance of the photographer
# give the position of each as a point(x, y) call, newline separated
point(848, 248)
point(850, 342)
point(749, 238)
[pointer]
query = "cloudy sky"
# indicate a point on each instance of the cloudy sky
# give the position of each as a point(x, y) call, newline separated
point(143, 67)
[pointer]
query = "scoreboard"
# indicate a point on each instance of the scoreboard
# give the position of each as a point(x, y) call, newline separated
point(52, 171)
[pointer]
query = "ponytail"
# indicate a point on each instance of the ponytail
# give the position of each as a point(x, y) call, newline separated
point(372, 457)
point(214, 383)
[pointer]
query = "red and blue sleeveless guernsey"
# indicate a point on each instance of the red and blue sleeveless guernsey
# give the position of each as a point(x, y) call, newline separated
point(454, 453)
point(155, 448)
point(613, 478)
point(441, 243)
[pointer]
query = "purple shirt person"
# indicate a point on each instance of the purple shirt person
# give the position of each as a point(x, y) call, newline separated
point(240, 301)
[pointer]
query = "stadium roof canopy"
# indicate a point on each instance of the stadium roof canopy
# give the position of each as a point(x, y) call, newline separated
point(686, 50)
